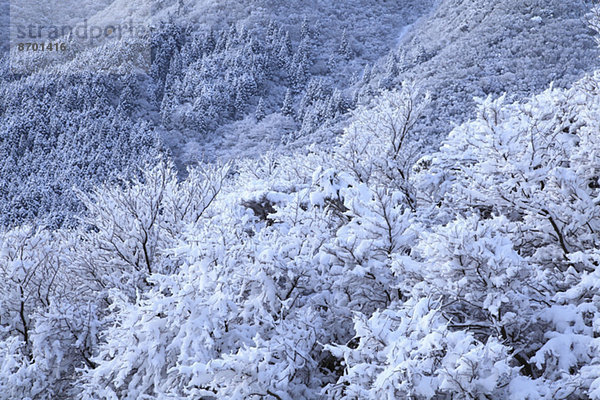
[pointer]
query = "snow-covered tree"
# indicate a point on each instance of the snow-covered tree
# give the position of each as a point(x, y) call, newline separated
point(344, 49)
point(259, 112)
point(380, 146)
point(288, 104)
point(130, 228)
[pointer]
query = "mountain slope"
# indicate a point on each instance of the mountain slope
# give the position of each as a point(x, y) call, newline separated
point(210, 64)
point(467, 48)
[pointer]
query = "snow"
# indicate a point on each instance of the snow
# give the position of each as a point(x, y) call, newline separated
point(374, 264)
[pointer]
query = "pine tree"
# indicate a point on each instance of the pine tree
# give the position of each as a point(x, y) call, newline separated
point(331, 63)
point(232, 37)
point(344, 49)
point(421, 54)
point(286, 41)
point(392, 71)
point(166, 109)
point(314, 92)
point(271, 34)
point(288, 107)
point(366, 75)
point(299, 72)
point(210, 42)
point(196, 119)
point(285, 50)
point(260, 110)
point(335, 105)
point(175, 66)
point(128, 97)
point(305, 29)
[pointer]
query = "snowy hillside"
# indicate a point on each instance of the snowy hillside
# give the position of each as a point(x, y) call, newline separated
point(458, 49)
point(266, 200)
point(473, 48)
point(247, 53)
point(330, 57)
point(370, 28)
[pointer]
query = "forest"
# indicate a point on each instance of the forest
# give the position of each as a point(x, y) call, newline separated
point(285, 205)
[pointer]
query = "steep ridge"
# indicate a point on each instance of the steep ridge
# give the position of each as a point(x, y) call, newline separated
point(468, 48)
